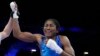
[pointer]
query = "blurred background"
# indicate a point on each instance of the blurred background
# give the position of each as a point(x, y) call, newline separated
point(79, 21)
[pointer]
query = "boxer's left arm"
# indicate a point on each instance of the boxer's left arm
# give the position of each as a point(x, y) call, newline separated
point(68, 49)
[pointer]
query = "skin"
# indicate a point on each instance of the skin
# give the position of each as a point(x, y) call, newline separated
point(50, 32)
point(7, 30)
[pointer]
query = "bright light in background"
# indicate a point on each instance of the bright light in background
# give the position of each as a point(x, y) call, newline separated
point(86, 53)
point(33, 50)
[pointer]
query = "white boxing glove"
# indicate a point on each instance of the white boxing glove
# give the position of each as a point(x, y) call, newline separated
point(14, 9)
point(13, 6)
point(53, 46)
point(15, 15)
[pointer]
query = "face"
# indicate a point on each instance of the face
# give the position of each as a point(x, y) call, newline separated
point(50, 29)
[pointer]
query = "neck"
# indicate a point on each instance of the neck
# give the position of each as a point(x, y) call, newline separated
point(51, 37)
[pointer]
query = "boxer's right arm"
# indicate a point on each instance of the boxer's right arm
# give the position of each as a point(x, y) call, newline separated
point(24, 36)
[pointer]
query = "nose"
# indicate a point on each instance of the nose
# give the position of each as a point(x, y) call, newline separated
point(48, 28)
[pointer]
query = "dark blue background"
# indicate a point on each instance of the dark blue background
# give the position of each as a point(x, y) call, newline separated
point(79, 21)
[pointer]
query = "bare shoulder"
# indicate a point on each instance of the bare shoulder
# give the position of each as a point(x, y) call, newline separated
point(38, 37)
point(67, 45)
point(65, 40)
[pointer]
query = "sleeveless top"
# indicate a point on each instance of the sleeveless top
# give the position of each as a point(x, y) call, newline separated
point(45, 51)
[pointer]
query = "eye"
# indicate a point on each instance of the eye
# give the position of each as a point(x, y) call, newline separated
point(46, 25)
point(51, 25)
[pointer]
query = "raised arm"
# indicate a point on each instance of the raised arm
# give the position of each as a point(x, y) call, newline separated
point(24, 36)
point(7, 30)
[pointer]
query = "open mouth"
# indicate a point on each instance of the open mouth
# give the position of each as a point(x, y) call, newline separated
point(48, 32)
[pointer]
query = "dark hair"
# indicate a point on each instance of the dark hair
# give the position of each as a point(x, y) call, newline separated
point(55, 22)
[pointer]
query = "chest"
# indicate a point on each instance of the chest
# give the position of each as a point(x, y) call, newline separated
point(45, 51)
